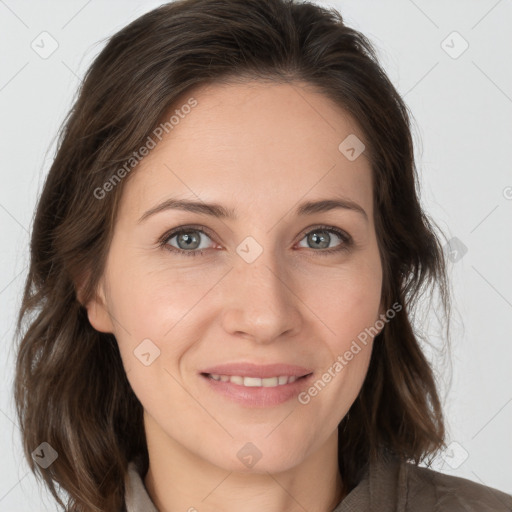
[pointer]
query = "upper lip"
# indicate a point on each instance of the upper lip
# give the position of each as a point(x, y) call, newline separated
point(255, 370)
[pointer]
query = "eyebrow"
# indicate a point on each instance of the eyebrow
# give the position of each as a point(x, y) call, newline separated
point(221, 212)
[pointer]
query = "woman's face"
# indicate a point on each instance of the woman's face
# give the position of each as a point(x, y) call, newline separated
point(264, 290)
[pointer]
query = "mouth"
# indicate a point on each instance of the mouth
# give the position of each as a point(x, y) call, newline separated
point(255, 391)
point(256, 385)
point(256, 382)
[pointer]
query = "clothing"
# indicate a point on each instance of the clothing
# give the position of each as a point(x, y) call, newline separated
point(385, 487)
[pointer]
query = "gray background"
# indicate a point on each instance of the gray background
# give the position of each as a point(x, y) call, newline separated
point(462, 108)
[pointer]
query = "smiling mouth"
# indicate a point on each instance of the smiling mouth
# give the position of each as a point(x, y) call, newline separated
point(255, 382)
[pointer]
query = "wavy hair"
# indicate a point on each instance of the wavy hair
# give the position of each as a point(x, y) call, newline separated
point(70, 387)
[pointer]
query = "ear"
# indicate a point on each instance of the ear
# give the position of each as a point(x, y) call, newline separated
point(97, 310)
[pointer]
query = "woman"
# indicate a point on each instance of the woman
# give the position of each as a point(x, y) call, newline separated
point(276, 369)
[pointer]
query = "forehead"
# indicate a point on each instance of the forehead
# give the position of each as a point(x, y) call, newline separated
point(251, 144)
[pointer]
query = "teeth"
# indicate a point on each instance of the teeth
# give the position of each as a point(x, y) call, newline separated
point(251, 382)
point(271, 382)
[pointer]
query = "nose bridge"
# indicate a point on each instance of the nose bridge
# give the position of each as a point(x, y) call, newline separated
point(260, 299)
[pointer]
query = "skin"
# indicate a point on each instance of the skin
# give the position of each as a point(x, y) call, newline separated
point(260, 149)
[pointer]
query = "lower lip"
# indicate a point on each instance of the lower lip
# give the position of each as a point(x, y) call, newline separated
point(258, 396)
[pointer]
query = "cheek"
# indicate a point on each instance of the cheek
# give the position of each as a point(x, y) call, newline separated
point(160, 305)
point(348, 305)
point(150, 299)
point(348, 300)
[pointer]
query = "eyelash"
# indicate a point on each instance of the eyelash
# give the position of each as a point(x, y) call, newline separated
point(346, 244)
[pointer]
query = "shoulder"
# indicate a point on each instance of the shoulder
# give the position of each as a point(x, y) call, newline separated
point(437, 491)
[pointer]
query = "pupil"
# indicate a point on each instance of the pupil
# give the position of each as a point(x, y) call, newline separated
point(189, 239)
point(320, 239)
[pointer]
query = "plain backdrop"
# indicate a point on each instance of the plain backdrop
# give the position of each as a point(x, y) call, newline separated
point(450, 60)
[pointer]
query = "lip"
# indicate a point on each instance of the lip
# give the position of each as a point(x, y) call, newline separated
point(258, 396)
point(255, 370)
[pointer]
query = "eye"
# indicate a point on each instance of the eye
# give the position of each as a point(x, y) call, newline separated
point(319, 238)
point(188, 240)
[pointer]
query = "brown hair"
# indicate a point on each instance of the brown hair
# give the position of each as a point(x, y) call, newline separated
point(71, 389)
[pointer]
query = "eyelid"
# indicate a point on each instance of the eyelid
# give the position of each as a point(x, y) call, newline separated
point(347, 240)
point(185, 227)
point(326, 227)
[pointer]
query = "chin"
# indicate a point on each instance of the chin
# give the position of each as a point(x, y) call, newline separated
point(258, 458)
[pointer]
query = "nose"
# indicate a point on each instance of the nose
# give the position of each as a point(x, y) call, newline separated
point(261, 303)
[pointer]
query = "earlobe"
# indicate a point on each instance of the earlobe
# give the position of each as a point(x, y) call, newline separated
point(97, 312)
